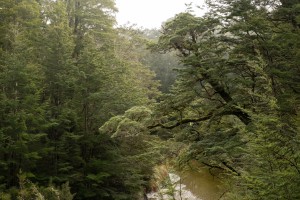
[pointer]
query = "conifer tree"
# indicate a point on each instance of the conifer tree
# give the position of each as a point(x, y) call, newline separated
point(20, 93)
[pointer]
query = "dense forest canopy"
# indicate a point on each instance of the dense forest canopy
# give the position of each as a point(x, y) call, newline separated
point(87, 109)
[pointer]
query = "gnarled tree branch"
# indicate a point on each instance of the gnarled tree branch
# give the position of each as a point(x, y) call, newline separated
point(244, 117)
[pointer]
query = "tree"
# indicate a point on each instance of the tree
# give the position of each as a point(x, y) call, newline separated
point(59, 75)
point(20, 95)
point(229, 101)
point(140, 151)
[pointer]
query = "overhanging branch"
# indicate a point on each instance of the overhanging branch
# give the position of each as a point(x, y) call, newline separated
point(244, 117)
point(184, 121)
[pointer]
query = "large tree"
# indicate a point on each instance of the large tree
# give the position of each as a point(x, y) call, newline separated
point(231, 100)
point(20, 129)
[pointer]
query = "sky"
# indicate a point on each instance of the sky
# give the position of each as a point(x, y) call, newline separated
point(151, 13)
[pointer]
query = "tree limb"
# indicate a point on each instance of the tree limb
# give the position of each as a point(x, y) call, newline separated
point(244, 117)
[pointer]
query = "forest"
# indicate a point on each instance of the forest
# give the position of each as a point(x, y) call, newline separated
point(88, 109)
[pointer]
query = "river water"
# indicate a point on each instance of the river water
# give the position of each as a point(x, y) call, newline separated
point(193, 184)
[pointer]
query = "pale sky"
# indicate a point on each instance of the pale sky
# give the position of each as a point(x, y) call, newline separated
point(151, 13)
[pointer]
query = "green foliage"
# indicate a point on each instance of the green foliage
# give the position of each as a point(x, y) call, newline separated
point(65, 71)
point(235, 100)
point(61, 78)
point(139, 150)
point(29, 190)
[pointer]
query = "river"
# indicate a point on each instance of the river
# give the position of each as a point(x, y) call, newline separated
point(193, 184)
